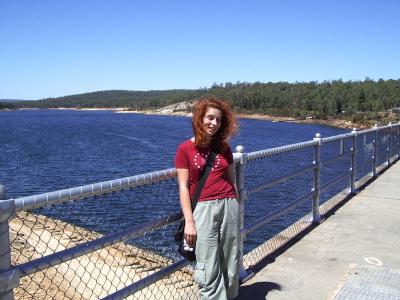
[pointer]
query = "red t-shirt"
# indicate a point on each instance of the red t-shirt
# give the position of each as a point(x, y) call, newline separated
point(217, 186)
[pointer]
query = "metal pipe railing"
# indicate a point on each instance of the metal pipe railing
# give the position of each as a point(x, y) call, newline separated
point(334, 180)
point(316, 218)
point(398, 141)
point(280, 180)
point(353, 162)
point(279, 150)
point(81, 192)
point(337, 137)
point(375, 155)
point(242, 194)
point(388, 149)
point(8, 278)
point(336, 158)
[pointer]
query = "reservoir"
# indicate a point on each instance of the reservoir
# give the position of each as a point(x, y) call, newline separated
point(48, 150)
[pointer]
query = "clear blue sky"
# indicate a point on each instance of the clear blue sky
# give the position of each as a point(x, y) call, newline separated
point(63, 47)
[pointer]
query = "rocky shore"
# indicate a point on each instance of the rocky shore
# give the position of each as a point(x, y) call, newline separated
point(90, 276)
point(185, 108)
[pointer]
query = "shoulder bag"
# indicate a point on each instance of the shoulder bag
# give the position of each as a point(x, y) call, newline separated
point(191, 255)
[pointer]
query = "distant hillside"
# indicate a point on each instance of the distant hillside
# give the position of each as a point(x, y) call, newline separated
point(365, 101)
point(4, 104)
point(11, 103)
point(12, 100)
point(136, 100)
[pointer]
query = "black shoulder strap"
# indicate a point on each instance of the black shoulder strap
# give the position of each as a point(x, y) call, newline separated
point(203, 178)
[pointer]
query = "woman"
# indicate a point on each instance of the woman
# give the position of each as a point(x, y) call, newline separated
point(213, 227)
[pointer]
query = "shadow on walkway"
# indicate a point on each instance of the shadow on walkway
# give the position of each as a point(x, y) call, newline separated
point(258, 290)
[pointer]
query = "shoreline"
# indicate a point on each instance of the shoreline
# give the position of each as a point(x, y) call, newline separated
point(338, 123)
point(105, 270)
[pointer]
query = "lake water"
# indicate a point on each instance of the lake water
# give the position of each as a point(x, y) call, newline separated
point(47, 150)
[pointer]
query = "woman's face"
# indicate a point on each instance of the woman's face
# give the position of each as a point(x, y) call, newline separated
point(212, 120)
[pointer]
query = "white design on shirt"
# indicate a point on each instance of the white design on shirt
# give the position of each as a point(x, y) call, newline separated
point(203, 160)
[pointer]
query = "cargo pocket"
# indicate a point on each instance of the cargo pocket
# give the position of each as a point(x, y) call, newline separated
point(200, 274)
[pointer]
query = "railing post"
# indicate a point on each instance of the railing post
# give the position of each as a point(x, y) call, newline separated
point(374, 155)
point(8, 277)
point(353, 162)
point(389, 148)
point(398, 140)
point(242, 194)
point(316, 217)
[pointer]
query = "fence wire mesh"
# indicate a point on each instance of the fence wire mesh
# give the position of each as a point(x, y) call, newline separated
point(44, 231)
point(382, 146)
point(335, 162)
point(395, 135)
point(274, 200)
point(365, 154)
point(334, 193)
point(276, 233)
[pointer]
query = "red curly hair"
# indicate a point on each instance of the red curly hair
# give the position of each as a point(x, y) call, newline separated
point(228, 123)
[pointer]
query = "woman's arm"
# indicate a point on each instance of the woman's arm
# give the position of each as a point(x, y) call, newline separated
point(190, 232)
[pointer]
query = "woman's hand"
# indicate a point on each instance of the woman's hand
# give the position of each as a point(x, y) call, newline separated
point(190, 234)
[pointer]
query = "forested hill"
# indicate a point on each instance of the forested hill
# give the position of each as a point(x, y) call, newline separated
point(356, 100)
point(138, 100)
point(328, 99)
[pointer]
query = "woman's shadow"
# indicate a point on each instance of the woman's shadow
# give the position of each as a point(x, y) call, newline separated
point(257, 290)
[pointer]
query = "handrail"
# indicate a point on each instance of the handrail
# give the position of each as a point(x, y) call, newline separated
point(280, 180)
point(80, 192)
point(337, 137)
point(279, 150)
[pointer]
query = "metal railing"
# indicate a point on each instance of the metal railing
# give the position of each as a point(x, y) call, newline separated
point(81, 243)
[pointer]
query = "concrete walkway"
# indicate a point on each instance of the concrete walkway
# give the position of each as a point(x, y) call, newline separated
point(353, 254)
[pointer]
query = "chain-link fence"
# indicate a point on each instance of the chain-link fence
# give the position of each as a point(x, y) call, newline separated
point(91, 243)
point(283, 184)
point(114, 239)
point(278, 184)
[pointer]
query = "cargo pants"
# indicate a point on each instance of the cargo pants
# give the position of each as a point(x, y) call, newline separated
point(217, 248)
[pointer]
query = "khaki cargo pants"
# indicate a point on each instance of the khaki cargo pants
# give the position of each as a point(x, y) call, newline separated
point(217, 248)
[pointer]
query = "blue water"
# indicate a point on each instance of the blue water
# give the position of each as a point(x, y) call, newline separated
point(47, 150)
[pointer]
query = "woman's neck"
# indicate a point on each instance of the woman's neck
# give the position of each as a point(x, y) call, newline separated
point(205, 145)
